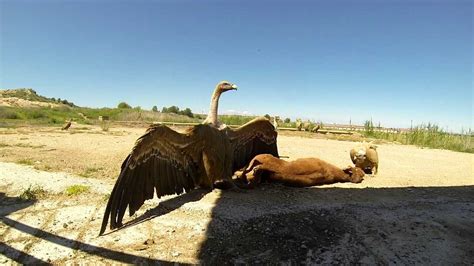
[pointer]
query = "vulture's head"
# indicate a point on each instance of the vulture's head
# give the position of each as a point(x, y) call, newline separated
point(225, 86)
point(360, 155)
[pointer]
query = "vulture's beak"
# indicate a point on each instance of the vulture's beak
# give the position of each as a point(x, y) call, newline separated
point(234, 87)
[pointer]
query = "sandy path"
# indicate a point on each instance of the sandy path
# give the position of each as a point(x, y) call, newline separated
point(419, 209)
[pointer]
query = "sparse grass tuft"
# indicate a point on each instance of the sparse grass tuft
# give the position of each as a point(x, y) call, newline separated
point(8, 114)
point(32, 193)
point(43, 167)
point(75, 190)
point(90, 171)
point(106, 197)
point(25, 162)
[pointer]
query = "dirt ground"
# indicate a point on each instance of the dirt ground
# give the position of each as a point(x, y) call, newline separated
point(419, 209)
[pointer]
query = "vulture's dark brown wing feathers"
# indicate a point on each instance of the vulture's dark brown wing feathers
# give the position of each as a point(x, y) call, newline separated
point(167, 162)
point(162, 161)
point(255, 137)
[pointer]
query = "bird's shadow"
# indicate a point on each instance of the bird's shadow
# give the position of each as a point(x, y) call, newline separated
point(9, 205)
point(165, 207)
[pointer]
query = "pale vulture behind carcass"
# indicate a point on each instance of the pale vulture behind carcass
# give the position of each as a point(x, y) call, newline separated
point(166, 162)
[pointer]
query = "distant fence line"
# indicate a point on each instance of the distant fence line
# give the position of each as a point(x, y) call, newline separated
point(326, 130)
point(333, 129)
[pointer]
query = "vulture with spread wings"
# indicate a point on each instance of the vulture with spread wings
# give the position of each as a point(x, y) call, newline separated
point(167, 162)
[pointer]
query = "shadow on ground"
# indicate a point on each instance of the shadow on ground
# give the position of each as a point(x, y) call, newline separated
point(275, 224)
point(11, 205)
point(165, 207)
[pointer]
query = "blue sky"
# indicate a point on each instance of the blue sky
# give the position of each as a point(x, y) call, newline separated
point(392, 61)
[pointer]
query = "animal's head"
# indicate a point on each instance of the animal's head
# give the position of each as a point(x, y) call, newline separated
point(356, 175)
point(224, 86)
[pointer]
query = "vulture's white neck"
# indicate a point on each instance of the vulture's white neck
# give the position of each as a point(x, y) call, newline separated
point(212, 116)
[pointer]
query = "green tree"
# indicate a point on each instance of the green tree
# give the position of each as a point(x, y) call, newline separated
point(187, 112)
point(173, 109)
point(124, 105)
point(154, 108)
point(287, 120)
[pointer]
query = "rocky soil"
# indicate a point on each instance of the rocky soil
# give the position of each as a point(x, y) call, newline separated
point(418, 210)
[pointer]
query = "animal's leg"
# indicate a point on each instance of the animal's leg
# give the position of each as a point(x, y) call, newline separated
point(252, 178)
point(256, 177)
point(250, 167)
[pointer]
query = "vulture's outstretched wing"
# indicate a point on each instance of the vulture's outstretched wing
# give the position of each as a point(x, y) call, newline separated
point(162, 160)
point(255, 137)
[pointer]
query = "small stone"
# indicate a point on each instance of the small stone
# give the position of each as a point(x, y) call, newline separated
point(64, 225)
point(303, 246)
point(175, 254)
point(149, 241)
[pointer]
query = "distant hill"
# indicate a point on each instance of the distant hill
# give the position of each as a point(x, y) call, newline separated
point(26, 97)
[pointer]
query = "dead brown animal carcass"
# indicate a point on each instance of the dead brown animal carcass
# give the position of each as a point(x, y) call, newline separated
point(299, 173)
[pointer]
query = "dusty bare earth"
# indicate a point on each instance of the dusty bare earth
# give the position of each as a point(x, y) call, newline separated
point(419, 209)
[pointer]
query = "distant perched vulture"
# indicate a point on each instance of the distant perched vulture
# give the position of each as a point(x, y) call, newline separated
point(167, 162)
point(67, 125)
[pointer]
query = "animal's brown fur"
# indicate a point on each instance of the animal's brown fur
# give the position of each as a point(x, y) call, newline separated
point(366, 157)
point(299, 173)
